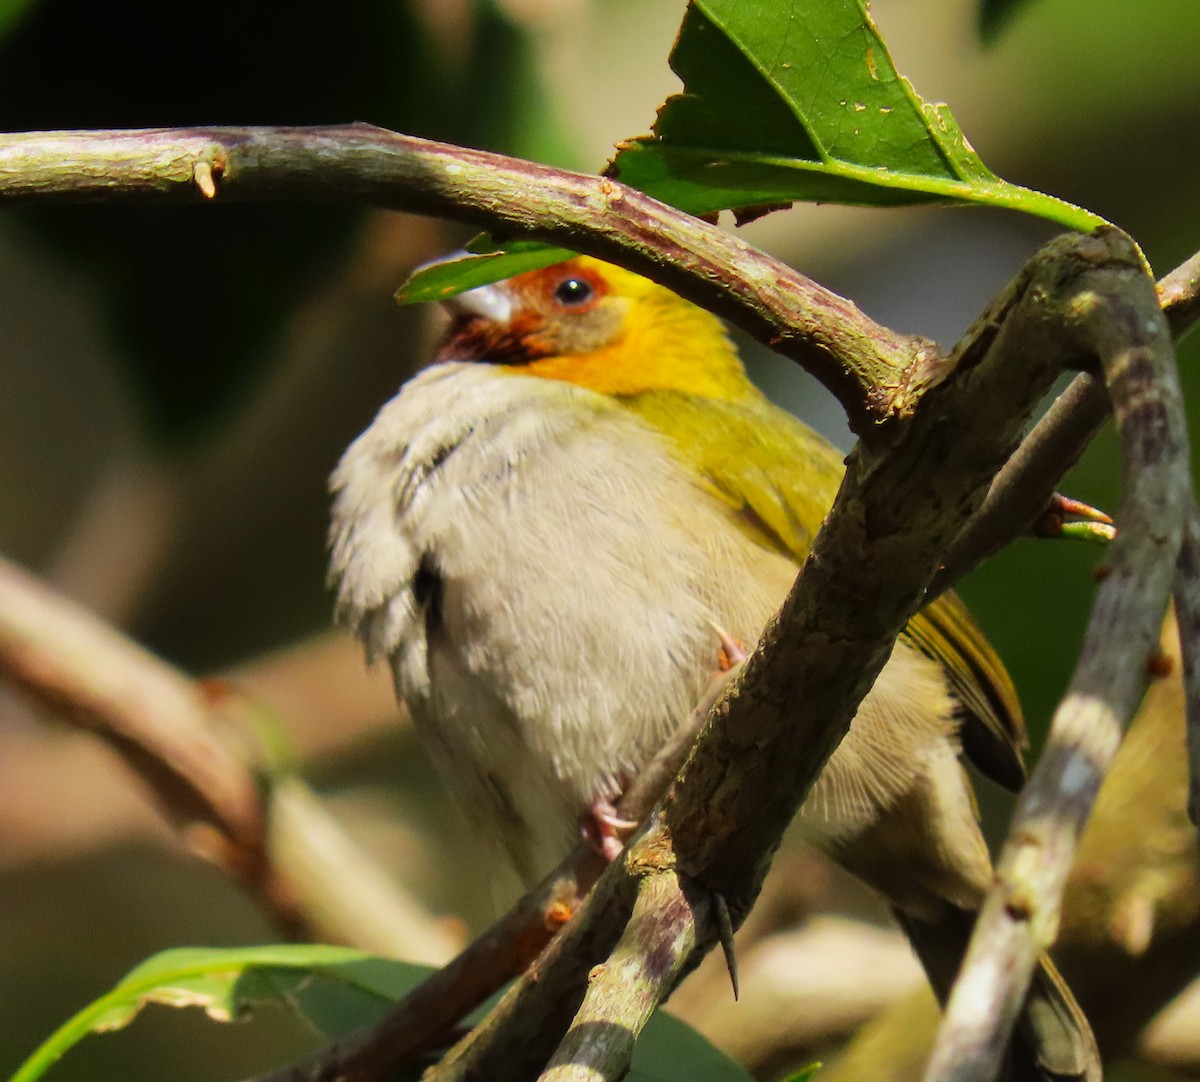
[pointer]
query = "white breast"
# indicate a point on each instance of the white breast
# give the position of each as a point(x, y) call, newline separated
point(544, 577)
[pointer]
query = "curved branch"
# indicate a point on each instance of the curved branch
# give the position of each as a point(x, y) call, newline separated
point(874, 372)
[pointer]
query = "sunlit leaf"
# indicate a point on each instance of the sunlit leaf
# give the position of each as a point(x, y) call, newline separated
point(790, 100)
point(784, 100)
point(437, 281)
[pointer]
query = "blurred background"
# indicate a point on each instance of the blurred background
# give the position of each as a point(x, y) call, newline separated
point(178, 383)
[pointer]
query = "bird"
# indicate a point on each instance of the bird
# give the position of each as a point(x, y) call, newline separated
point(552, 533)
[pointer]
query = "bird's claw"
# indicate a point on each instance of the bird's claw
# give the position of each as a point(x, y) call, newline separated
point(732, 652)
point(1067, 517)
point(604, 830)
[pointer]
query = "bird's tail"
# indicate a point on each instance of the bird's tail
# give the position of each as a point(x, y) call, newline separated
point(1053, 1041)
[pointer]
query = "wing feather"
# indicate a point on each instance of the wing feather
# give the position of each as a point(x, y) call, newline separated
point(779, 479)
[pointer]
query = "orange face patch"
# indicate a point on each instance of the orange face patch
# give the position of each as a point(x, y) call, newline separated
point(562, 290)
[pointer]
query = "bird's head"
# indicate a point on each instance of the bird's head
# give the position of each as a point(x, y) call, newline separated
point(596, 325)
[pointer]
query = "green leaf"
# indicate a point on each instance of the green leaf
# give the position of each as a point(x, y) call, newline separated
point(783, 100)
point(805, 1074)
point(669, 1050)
point(445, 278)
point(789, 101)
point(333, 989)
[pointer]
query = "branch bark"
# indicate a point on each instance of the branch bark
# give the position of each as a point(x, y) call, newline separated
point(1024, 486)
point(1116, 319)
point(874, 372)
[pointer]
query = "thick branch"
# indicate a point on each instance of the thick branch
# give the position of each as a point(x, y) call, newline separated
point(874, 372)
point(1118, 320)
point(897, 511)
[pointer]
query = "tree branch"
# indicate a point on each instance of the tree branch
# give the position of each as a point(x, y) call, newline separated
point(278, 842)
point(647, 962)
point(1024, 486)
point(1117, 319)
point(874, 372)
point(429, 1011)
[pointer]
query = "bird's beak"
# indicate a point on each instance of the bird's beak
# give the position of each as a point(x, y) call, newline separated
point(490, 302)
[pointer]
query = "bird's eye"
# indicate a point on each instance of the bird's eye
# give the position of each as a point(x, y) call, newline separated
point(573, 292)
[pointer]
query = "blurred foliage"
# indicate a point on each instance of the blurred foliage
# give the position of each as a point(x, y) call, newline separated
point(994, 16)
point(196, 295)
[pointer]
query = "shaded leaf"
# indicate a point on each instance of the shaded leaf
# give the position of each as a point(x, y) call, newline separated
point(669, 1050)
point(332, 989)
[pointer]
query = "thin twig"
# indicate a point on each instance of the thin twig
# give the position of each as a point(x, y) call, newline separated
point(1121, 325)
point(429, 1011)
point(1024, 487)
point(623, 991)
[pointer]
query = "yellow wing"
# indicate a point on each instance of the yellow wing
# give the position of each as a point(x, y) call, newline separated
point(780, 478)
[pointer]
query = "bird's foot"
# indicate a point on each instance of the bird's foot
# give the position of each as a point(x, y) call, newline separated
point(604, 830)
point(732, 652)
point(1066, 517)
